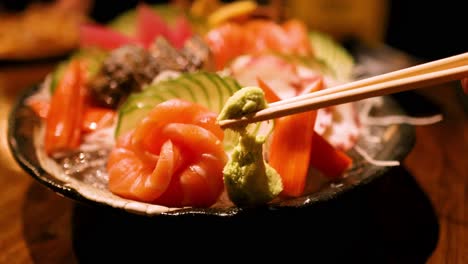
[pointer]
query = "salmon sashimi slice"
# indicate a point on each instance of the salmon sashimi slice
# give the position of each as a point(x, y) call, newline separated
point(226, 42)
point(257, 37)
point(196, 139)
point(174, 157)
point(148, 132)
point(198, 184)
point(133, 177)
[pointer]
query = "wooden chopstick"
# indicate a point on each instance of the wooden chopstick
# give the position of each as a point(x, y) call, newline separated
point(423, 75)
point(442, 64)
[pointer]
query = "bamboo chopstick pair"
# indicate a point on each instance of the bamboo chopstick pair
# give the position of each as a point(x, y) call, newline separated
point(423, 75)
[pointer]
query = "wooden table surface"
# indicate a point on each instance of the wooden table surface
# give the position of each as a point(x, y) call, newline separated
point(35, 223)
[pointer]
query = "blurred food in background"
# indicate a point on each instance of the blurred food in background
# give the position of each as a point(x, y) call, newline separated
point(362, 19)
point(40, 29)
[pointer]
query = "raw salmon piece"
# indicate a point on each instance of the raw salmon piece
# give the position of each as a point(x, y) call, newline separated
point(298, 36)
point(226, 42)
point(174, 157)
point(257, 37)
point(199, 184)
point(133, 178)
point(195, 138)
point(173, 111)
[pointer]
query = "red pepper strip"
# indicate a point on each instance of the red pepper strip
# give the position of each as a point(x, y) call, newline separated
point(330, 161)
point(64, 119)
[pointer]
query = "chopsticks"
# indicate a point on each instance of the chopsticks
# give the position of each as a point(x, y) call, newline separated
point(423, 75)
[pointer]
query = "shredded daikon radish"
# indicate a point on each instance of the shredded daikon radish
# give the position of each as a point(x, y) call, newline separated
point(367, 106)
point(367, 119)
point(401, 119)
point(366, 133)
point(99, 139)
point(368, 158)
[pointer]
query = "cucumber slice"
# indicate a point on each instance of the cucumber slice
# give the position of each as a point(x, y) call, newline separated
point(229, 82)
point(143, 101)
point(165, 90)
point(204, 88)
point(333, 55)
point(200, 91)
point(184, 92)
point(132, 113)
point(218, 82)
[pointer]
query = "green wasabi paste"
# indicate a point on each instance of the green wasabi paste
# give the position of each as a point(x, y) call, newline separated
point(249, 180)
point(245, 101)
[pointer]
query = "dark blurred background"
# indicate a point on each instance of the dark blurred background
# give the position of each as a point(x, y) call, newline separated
point(425, 29)
point(428, 29)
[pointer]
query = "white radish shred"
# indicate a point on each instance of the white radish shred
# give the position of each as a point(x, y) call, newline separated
point(369, 137)
point(367, 106)
point(367, 119)
point(402, 119)
point(99, 139)
point(369, 159)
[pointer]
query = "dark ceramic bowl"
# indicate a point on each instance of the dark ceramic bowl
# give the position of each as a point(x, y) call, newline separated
point(396, 142)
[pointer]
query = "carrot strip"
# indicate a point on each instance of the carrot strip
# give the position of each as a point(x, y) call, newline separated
point(291, 145)
point(327, 159)
point(64, 118)
point(313, 86)
point(78, 107)
point(295, 146)
point(93, 118)
point(270, 95)
point(290, 150)
point(97, 117)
